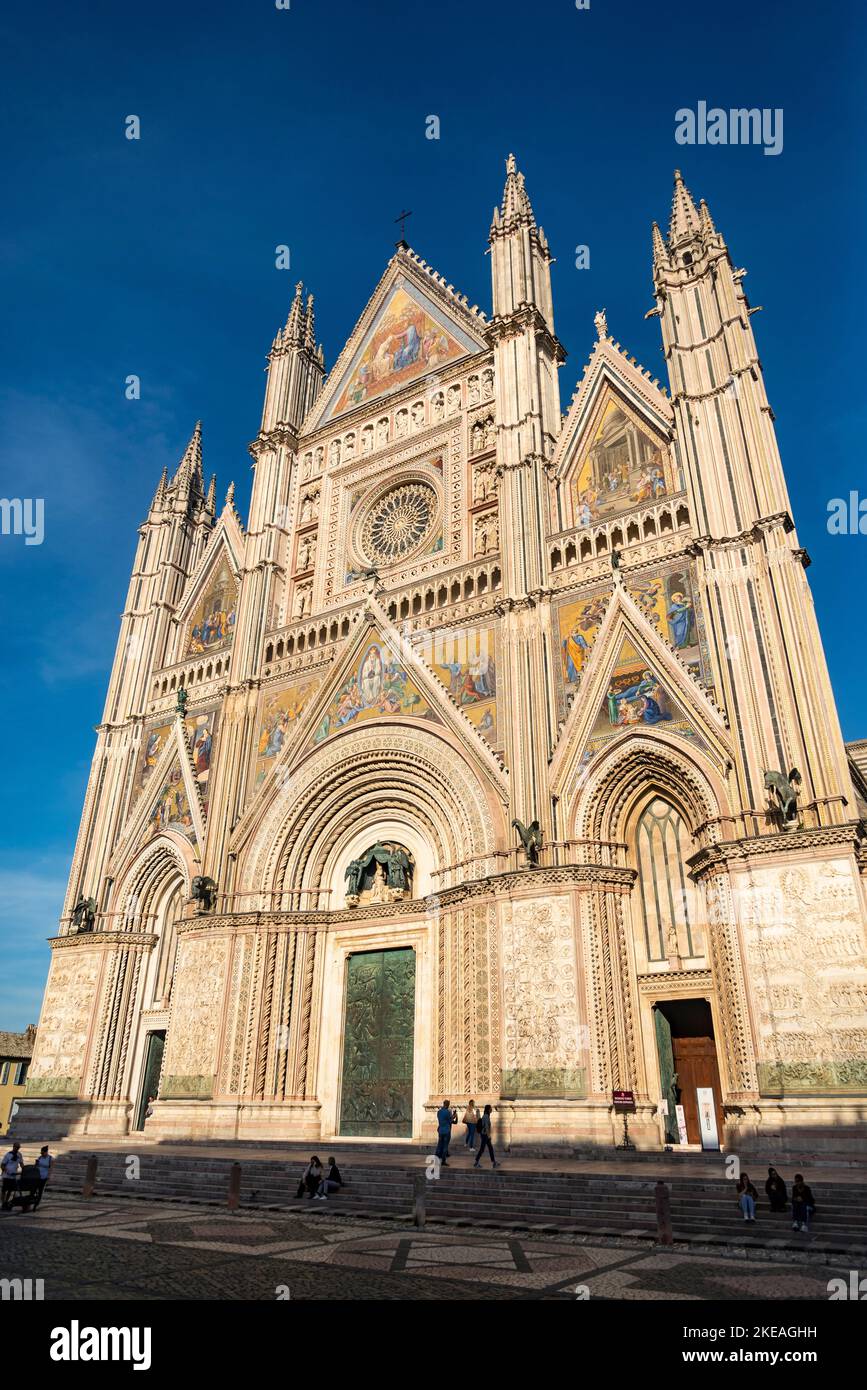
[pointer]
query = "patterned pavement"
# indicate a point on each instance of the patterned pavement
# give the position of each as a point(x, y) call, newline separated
point(134, 1249)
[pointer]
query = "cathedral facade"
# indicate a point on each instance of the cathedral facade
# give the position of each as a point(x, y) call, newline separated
point(495, 756)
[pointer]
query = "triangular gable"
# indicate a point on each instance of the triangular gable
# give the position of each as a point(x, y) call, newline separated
point(612, 454)
point(378, 677)
point(634, 682)
point(200, 732)
point(663, 595)
point(171, 802)
point(413, 324)
point(278, 719)
point(206, 612)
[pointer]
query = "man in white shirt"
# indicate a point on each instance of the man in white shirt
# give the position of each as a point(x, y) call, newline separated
point(10, 1166)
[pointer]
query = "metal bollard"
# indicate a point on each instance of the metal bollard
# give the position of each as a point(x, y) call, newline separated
point(419, 1197)
point(663, 1214)
point(90, 1176)
point(233, 1197)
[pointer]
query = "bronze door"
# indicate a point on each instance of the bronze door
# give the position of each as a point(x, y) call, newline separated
point(378, 1036)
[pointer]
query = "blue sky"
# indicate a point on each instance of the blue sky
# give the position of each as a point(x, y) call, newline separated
point(306, 127)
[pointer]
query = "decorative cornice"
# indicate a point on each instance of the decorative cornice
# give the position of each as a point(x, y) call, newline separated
point(126, 939)
point(272, 439)
point(849, 836)
point(526, 316)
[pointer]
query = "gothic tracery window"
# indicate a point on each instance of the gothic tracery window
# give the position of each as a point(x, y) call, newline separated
point(665, 891)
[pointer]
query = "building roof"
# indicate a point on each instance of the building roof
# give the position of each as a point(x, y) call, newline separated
point(17, 1046)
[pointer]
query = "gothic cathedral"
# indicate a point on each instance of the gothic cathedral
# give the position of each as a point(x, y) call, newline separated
point(495, 756)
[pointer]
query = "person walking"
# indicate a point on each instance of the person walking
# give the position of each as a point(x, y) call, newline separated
point(746, 1197)
point(44, 1164)
point(332, 1182)
point(485, 1137)
point(471, 1120)
point(444, 1132)
point(803, 1204)
point(776, 1191)
point(11, 1166)
point(28, 1187)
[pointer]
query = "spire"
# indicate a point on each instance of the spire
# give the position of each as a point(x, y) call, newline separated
point(310, 326)
point(706, 220)
point(516, 207)
point(212, 493)
point(189, 470)
point(160, 494)
point(294, 330)
point(660, 252)
point(230, 495)
point(684, 217)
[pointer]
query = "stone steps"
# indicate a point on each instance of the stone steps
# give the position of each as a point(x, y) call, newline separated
point(701, 1208)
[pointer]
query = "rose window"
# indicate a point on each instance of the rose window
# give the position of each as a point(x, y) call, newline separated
point(399, 523)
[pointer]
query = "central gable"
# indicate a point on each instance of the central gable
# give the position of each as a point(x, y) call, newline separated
point(408, 337)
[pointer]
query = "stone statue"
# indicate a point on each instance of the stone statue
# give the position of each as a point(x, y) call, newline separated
point(354, 875)
point(600, 320)
point(181, 706)
point(397, 863)
point(787, 790)
point(204, 892)
point(615, 559)
point(531, 839)
point(84, 913)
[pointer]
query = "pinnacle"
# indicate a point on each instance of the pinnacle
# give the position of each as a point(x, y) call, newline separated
point(516, 206)
point(707, 224)
point(660, 251)
point(684, 217)
point(160, 493)
point(294, 330)
point(189, 470)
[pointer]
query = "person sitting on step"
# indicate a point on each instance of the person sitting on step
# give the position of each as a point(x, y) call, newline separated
point(332, 1182)
point(310, 1179)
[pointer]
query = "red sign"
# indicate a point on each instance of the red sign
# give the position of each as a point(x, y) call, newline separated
point(624, 1100)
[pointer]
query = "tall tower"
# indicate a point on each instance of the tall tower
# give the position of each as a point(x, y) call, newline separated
point(296, 369)
point(766, 649)
point(171, 542)
point(527, 356)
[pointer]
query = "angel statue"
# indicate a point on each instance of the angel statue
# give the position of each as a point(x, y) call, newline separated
point(84, 913)
point(531, 839)
point(204, 892)
point(398, 867)
point(354, 875)
point(787, 790)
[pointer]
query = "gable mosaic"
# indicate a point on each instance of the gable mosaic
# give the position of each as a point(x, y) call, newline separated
point(624, 467)
point(212, 624)
point(408, 340)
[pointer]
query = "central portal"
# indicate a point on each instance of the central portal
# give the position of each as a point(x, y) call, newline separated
point(378, 1034)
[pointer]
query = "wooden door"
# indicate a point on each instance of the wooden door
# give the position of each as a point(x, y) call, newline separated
point(696, 1065)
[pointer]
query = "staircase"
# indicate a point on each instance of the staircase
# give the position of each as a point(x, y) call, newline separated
point(703, 1206)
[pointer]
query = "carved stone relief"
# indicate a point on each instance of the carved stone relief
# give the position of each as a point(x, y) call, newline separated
point(541, 1027)
point(65, 1022)
point(191, 1048)
point(806, 975)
